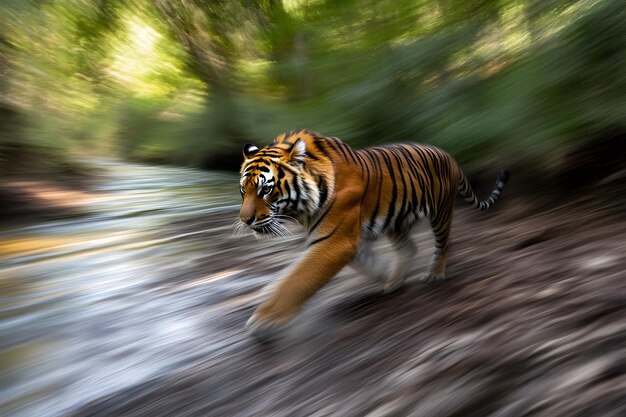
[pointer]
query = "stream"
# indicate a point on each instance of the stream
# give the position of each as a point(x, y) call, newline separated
point(130, 299)
point(78, 318)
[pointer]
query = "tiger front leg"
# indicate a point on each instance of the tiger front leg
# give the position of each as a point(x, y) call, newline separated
point(326, 256)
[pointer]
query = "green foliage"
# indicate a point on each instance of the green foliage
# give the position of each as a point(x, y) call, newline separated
point(189, 82)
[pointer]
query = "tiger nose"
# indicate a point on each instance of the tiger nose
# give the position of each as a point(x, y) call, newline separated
point(248, 219)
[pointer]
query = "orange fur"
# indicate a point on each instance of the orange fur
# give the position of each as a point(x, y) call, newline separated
point(345, 199)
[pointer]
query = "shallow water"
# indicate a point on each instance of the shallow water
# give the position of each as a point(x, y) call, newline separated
point(76, 320)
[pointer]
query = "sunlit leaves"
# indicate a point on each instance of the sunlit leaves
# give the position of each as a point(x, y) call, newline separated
point(183, 78)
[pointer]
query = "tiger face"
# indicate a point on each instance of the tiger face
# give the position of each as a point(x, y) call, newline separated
point(271, 188)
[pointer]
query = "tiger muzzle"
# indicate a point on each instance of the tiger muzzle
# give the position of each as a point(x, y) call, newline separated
point(247, 213)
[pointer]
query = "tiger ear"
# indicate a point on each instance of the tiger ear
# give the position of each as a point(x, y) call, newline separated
point(297, 151)
point(249, 150)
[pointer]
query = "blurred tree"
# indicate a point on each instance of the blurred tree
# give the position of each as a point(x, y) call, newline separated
point(205, 29)
point(189, 81)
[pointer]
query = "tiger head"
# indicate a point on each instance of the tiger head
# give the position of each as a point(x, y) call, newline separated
point(275, 187)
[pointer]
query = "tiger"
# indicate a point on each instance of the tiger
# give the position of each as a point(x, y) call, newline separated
point(346, 199)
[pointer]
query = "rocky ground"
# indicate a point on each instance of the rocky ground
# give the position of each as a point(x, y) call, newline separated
point(531, 321)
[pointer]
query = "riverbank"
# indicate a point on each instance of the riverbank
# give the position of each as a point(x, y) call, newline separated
point(138, 308)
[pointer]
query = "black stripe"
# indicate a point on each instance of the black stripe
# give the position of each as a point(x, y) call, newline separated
point(320, 218)
point(279, 188)
point(349, 149)
point(288, 190)
point(365, 168)
point(373, 158)
point(362, 163)
point(427, 186)
point(337, 147)
point(311, 156)
point(296, 187)
point(270, 154)
point(288, 167)
point(401, 212)
point(318, 240)
point(321, 185)
point(436, 175)
point(394, 190)
point(409, 159)
point(322, 147)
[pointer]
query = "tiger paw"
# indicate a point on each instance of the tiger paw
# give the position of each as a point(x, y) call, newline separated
point(265, 331)
point(430, 278)
point(393, 285)
point(265, 326)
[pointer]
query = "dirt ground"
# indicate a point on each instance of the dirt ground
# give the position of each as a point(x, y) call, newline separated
point(531, 321)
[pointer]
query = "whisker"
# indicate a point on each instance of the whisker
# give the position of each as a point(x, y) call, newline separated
point(239, 228)
point(279, 230)
point(284, 217)
point(274, 227)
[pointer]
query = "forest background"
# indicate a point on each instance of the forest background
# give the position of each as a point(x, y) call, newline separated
point(188, 82)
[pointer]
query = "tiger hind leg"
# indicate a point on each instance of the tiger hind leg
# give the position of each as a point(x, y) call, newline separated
point(405, 249)
point(371, 264)
point(441, 230)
